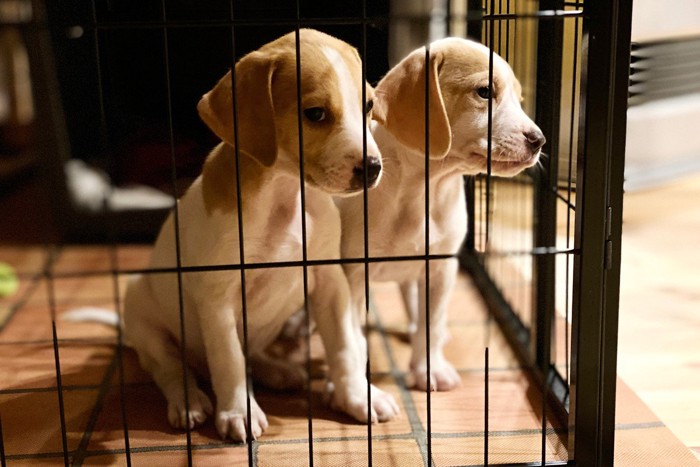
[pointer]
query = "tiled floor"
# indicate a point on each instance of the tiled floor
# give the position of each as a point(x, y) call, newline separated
point(95, 398)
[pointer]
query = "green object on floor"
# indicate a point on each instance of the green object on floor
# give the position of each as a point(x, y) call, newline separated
point(9, 283)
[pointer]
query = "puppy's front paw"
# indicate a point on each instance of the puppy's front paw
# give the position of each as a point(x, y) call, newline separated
point(200, 407)
point(354, 402)
point(384, 405)
point(234, 423)
point(443, 376)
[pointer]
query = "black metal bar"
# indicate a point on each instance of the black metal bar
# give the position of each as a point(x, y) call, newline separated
point(500, 28)
point(59, 384)
point(120, 347)
point(507, 57)
point(241, 241)
point(469, 192)
point(311, 262)
point(114, 266)
point(540, 15)
point(426, 187)
point(616, 166)
point(104, 137)
point(475, 13)
point(265, 265)
point(543, 445)
point(606, 36)
point(304, 256)
point(203, 23)
point(549, 65)
point(448, 17)
point(486, 407)
point(176, 222)
point(365, 213)
point(3, 461)
point(489, 133)
point(51, 296)
point(569, 190)
point(48, 116)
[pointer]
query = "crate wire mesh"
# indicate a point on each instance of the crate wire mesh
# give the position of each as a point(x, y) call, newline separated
point(567, 252)
point(543, 247)
point(516, 244)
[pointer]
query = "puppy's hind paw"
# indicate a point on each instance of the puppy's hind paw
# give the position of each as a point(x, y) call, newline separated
point(356, 404)
point(443, 376)
point(200, 407)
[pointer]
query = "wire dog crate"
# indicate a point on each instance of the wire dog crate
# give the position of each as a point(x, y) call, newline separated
point(543, 248)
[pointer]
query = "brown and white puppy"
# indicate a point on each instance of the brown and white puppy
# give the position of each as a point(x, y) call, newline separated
point(458, 104)
point(331, 98)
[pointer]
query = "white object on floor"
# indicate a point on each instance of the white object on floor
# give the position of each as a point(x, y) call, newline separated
point(91, 190)
point(91, 314)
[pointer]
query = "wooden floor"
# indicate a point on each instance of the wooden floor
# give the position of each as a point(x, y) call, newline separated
point(659, 338)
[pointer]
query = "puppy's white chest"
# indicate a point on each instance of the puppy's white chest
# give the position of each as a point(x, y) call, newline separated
point(300, 222)
point(298, 231)
point(285, 229)
point(433, 234)
point(414, 237)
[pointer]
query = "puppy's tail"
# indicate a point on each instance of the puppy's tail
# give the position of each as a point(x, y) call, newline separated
point(89, 314)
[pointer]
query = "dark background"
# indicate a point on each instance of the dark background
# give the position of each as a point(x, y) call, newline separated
point(114, 82)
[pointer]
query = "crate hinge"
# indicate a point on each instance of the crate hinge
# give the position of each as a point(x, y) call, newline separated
point(607, 261)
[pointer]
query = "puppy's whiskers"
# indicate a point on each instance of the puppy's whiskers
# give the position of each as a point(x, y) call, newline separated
point(387, 174)
point(501, 152)
point(539, 166)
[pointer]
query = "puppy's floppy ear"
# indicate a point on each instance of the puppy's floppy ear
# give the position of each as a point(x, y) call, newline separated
point(401, 104)
point(256, 122)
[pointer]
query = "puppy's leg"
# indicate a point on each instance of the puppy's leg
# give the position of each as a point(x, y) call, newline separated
point(409, 293)
point(217, 320)
point(161, 358)
point(330, 305)
point(443, 376)
point(355, 277)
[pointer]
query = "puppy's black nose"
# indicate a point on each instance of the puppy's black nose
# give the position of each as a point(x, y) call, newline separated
point(535, 140)
point(374, 168)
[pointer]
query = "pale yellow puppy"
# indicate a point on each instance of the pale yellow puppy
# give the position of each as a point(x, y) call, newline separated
point(458, 94)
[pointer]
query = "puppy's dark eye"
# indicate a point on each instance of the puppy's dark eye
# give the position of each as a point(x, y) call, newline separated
point(484, 92)
point(368, 106)
point(315, 114)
